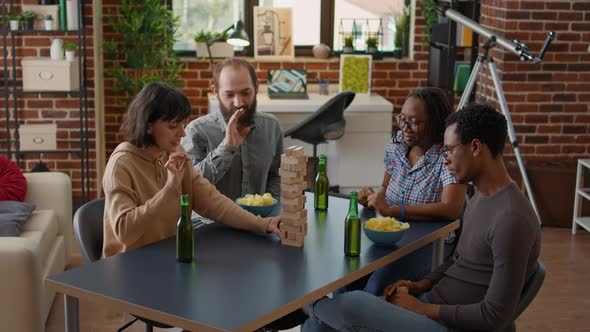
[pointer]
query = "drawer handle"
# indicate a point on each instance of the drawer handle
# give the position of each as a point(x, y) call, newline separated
point(38, 140)
point(45, 75)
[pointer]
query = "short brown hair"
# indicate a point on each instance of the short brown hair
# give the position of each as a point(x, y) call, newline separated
point(156, 101)
point(236, 63)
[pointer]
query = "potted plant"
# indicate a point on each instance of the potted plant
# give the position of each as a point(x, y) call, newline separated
point(143, 49)
point(372, 44)
point(348, 44)
point(14, 20)
point(401, 39)
point(48, 22)
point(219, 47)
point(28, 20)
point(70, 49)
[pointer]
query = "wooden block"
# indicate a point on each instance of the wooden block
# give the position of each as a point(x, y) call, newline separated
point(293, 221)
point(293, 204)
point(290, 180)
point(297, 151)
point(292, 243)
point(291, 194)
point(288, 161)
point(294, 228)
point(295, 215)
point(298, 186)
point(289, 150)
point(292, 174)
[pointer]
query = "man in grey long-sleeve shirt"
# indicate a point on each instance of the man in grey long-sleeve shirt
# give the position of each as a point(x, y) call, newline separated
point(235, 148)
point(479, 287)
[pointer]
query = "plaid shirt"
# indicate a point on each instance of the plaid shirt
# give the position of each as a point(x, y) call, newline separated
point(418, 185)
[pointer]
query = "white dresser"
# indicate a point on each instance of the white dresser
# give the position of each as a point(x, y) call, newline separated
point(356, 159)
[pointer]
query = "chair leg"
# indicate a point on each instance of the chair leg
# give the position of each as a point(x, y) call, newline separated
point(126, 325)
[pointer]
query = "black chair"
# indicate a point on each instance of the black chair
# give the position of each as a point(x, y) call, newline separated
point(327, 123)
point(531, 288)
point(88, 230)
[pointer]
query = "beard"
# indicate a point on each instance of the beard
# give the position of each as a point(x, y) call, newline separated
point(246, 120)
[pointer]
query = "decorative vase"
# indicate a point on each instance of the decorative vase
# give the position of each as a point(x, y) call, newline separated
point(371, 50)
point(347, 49)
point(14, 25)
point(70, 55)
point(321, 51)
point(48, 25)
point(29, 23)
point(57, 52)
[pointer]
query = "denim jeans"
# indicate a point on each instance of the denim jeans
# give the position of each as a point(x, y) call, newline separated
point(359, 311)
point(413, 267)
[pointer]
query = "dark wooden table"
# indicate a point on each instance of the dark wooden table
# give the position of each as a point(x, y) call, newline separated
point(239, 281)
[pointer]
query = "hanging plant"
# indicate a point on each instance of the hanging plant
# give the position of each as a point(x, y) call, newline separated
point(430, 15)
point(143, 52)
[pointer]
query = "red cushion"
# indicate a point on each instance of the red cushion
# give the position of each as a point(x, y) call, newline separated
point(13, 185)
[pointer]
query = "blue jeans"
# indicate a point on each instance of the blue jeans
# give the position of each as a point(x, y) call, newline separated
point(413, 267)
point(362, 312)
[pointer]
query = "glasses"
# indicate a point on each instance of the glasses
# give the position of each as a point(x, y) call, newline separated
point(401, 122)
point(448, 150)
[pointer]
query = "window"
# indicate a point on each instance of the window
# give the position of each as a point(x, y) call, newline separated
point(204, 15)
point(314, 21)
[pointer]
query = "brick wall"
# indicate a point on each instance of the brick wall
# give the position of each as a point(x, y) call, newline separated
point(549, 103)
point(61, 109)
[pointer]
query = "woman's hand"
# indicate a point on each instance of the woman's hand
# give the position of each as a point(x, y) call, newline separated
point(364, 196)
point(377, 201)
point(175, 167)
point(273, 226)
point(414, 288)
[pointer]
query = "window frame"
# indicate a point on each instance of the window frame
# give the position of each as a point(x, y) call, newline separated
point(327, 10)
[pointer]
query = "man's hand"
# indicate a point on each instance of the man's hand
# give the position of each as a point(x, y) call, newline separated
point(414, 288)
point(233, 136)
point(273, 226)
point(364, 196)
point(175, 167)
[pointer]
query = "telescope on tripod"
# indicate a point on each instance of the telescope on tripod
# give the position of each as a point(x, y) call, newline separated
point(521, 50)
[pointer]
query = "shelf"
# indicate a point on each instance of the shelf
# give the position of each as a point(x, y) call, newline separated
point(584, 192)
point(584, 222)
point(23, 92)
point(24, 32)
point(48, 151)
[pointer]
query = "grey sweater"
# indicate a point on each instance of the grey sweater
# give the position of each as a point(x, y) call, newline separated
point(479, 287)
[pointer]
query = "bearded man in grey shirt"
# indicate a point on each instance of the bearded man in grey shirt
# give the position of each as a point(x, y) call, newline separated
point(236, 148)
point(479, 287)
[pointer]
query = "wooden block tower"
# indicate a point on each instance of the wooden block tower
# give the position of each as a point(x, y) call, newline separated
point(294, 216)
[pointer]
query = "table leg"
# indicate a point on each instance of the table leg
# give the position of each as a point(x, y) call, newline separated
point(71, 309)
point(438, 249)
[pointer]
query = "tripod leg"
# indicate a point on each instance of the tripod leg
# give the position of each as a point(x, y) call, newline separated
point(470, 82)
point(512, 135)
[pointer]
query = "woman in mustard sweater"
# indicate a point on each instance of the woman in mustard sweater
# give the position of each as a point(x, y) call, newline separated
point(146, 175)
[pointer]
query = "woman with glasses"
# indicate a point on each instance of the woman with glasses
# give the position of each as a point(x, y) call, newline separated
point(416, 184)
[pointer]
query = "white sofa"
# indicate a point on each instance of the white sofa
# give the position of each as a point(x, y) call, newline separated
point(42, 249)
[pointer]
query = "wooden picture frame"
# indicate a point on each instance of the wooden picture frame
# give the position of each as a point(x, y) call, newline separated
point(355, 73)
point(273, 34)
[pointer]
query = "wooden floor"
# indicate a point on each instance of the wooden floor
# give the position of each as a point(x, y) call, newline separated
point(562, 305)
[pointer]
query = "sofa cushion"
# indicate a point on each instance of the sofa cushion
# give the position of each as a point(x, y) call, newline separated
point(41, 231)
point(13, 215)
point(13, 185)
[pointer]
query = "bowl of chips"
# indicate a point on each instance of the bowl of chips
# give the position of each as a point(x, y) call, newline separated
point(258, 205)
point(385, 231)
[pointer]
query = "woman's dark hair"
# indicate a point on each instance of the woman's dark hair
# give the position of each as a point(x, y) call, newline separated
point(156, 101)
point(482, 122)
point(438, 109)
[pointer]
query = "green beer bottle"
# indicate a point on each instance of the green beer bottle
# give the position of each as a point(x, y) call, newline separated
point(185, 233)
point(352, 230)
point(321, 186)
